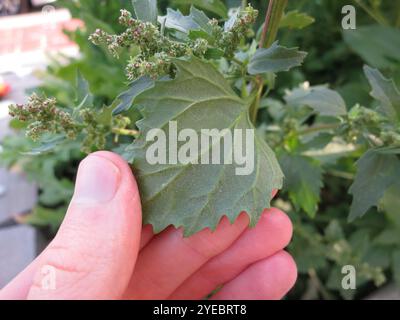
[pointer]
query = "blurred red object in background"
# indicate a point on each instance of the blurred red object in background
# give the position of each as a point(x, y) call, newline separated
point(4, 89)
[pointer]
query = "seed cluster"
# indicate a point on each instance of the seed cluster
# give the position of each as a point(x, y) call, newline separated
point(229, 40)
point(158, 50)
point(365, 122)
point(44, 116)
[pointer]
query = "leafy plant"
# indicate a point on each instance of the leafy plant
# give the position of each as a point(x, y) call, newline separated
point(233, 74)
point(54, 172)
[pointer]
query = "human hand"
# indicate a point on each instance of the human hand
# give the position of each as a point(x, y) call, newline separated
point(102, 252)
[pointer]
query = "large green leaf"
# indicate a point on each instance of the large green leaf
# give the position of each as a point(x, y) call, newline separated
point(303, 181)
point(275, 59)
point(196, 196)
point(146, 10)
point(378, 45)
point(319, 98)
point(385, 91)
point(377, 171)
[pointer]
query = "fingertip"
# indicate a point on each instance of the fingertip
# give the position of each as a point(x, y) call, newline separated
point(276, 275)
point(270, 279)
point(278, 221)
point(286, 269)
point(128, 187)
point(116, 159)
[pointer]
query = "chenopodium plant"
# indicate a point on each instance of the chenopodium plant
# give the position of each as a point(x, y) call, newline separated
point(204, 75)
point(372, 133)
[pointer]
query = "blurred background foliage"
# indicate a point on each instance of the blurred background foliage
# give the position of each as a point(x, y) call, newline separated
point(317, 177)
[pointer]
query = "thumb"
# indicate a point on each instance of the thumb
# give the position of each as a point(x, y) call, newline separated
point(95, 250)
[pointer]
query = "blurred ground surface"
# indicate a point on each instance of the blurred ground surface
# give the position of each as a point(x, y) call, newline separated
point(25, 41)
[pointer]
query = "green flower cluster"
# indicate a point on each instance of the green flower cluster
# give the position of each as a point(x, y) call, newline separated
point(157, 50)
point(44, 116)
point(372, 125)
point(228, 38)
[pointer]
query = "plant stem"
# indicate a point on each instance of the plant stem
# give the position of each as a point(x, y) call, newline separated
point(319, 285)
point(125, 132)
point(272, 21)
point(273, 18)
point(256, 103)
point(321, 127)
point(374, 15)
point(341, 174)
point(266, 23)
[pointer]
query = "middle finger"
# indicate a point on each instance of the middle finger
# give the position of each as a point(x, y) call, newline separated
point(169, 258)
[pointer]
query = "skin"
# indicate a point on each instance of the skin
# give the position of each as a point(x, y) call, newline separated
point(102, 252)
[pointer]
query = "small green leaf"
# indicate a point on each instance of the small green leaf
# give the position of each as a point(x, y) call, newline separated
point(376, 172)
point(228, 25)
point(385, 91)
point(214, 53)
point(200, 34)
point(275, 59)
point(146, 10)
point(177, 21)
point(196, 20)
point(303, 181)
point(46, 146)
point(196, 196)
point(200, 18)
point(214, 6)
point(17, 124)
point(296, 20)
point(135, 88)
point(334, 231)
point(319, 98)
point(83, 96)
